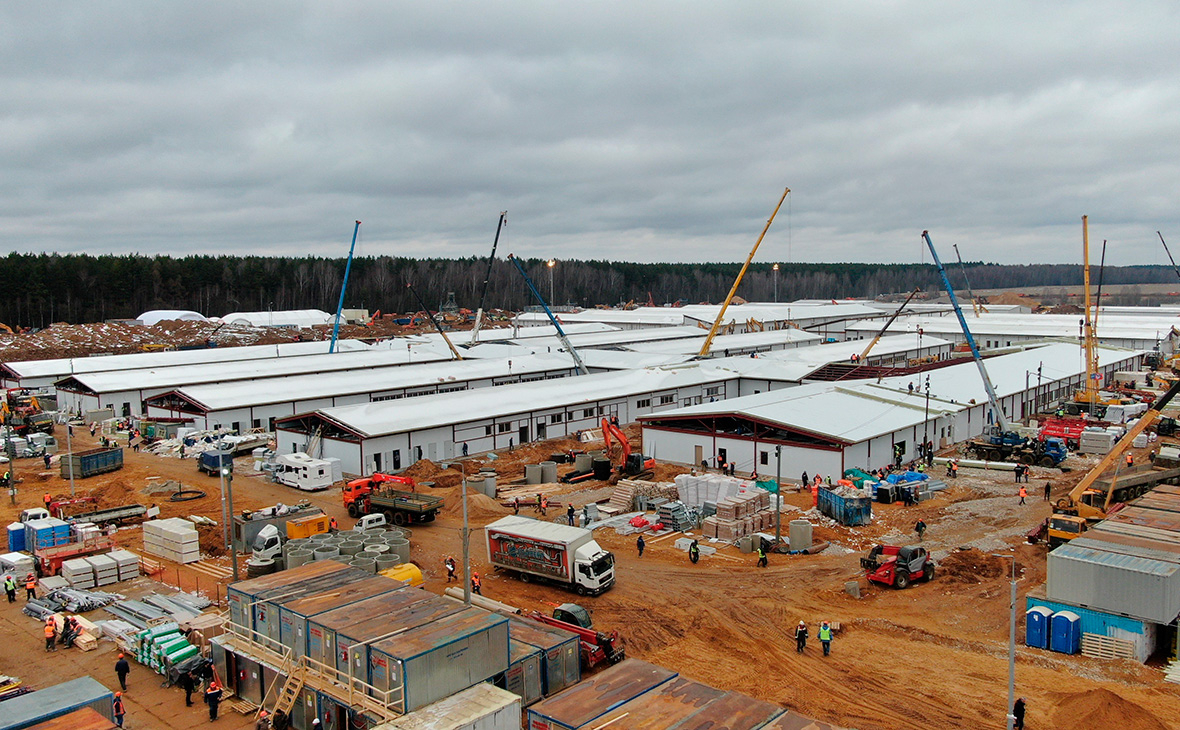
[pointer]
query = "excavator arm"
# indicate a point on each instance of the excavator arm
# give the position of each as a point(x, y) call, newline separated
point(1073, 501)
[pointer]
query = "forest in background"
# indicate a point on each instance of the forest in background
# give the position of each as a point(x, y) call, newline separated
point(45, 288)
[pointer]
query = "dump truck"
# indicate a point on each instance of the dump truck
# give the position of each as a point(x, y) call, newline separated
point(898, 566)
point(371, 495)
point(547, 551)
point(91, 462)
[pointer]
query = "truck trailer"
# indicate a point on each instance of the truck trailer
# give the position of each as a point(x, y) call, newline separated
point(552, 552)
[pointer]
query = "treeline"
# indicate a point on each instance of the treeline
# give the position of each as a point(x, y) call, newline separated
point(43, 288)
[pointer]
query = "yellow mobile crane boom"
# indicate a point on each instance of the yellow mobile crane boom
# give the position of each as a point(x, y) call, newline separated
point(1085, 501)
point(721, 315)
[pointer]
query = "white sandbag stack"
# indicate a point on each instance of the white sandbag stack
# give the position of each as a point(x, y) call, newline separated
point(173, 538)
point(79, 573)
point(127, 562)
point(106, 570)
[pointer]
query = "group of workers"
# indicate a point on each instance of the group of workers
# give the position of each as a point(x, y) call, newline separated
point(452, 566)
point(824, 634)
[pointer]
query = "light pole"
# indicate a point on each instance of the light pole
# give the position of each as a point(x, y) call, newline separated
point(927, 452)
point(551, 263)
point(775, 270)
point(70, 440)
point(466, 533)
point(778, 483)
point(1011, 641)
point(227, 508)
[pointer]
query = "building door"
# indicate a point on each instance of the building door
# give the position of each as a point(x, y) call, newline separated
point(376, 462)
point(540, 430)
point(722, 457)
point(524, 434)
point(698, 454)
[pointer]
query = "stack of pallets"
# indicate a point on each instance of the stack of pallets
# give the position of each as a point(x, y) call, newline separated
point(675, 516)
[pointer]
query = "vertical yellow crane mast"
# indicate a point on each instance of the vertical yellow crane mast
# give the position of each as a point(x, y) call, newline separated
point(1089, 344)
point(737, 282)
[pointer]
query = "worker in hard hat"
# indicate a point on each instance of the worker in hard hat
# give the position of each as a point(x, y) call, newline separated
point(800, 636)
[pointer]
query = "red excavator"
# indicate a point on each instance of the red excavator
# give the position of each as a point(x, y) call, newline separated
point(596, 646)
point(634, 466)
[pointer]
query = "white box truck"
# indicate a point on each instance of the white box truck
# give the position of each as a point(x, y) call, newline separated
point(550, 552)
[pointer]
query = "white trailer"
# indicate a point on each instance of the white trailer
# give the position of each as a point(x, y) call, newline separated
point(549, 551)
point(303, 472)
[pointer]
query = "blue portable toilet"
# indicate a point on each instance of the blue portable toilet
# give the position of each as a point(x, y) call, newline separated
point(1067, 632)
point(16, 537)
point(1036, 626)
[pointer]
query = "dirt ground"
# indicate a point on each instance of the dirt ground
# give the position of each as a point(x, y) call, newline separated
point(933, 656)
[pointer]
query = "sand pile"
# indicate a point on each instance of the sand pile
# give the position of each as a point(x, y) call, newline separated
point(970, 566)
point(480, 507)
point(1102, 708)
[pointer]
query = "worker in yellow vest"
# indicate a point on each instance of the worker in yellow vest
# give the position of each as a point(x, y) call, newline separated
point(825, 637)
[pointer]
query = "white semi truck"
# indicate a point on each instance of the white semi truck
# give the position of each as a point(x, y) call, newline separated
point(548, 551)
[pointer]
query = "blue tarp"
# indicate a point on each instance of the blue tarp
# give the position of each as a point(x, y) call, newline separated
point(908, 476)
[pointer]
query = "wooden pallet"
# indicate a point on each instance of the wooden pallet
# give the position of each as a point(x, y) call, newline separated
point(244, 707)
point(1106, 647)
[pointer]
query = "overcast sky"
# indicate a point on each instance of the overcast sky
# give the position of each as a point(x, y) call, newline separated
point(641, 131)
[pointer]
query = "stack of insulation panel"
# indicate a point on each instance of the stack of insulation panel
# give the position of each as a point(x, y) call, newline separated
point(79, 573)
point(127, 563)
point(174, 539)
point(106, 570)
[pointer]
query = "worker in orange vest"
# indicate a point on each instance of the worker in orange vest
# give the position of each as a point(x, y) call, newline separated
point(48, 500)
point(1023, 494)
point(118, 709)
point(50, 635)
point(475, 583)
point(1130, 460)
point(30, 586)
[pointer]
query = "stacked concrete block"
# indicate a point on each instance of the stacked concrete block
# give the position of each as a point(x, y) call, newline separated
point(79, 573)
point(174, 539)
point(106, 570)
point(127, 563)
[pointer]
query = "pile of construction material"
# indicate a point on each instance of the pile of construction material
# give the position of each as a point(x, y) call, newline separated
point(739, 515)
point(676, 516)
point(174, 539)
point(622, 500)
point(194, 442)
point(162, 647)
point(67, 599)
point(154, 608)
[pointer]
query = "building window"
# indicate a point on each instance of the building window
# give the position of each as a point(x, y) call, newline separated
point(487, 430)
point(666, 399)
point(715, 390)
point(587, 413)
point(256, 423)
point(645, 403)
point(601, 411)
point(396, 458)
point(503, 427)
point(556, 417)
point(764, 458)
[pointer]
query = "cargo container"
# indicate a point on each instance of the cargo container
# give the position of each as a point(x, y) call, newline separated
point(845, 510)
point(440, 658)
point(561, 664)
point(1144, 636)
point(353, 644)
point(732, 711)
point(91, 462)
point(84, 719)
point(661, 708)
point(268, 606)
point(293, 615)
point(242, 595)
point(482, 707)
point(322, 628)
point(523, 676)
point(60, 699)
point(594, 697)
point(548, 551)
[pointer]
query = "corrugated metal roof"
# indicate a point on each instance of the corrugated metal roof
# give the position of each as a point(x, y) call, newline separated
point(182, 375)
point(1122, 561)
point(62, 367)
point(398, 416)
point(244, 393)
point(1110, 326)
point(721, 343)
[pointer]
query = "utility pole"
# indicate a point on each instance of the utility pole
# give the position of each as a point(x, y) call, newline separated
point(926, 421)
point(227, 482)
point(775, 270)
point(551, 263)
point(778, 483)
point(466, 534)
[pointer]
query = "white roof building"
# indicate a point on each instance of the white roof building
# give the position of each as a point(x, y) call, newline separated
point(391, 435)
point(42, 373)
point(826, 428)
point(161, 315)
point(288, 319)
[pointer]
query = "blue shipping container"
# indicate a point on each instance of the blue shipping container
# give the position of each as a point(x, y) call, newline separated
point(1036, 627)
point(845, 510)
point(1067, 632)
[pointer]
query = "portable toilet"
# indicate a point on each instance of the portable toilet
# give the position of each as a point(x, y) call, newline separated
point(1036, 625)
point(16, 537)
point(1067, 632)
